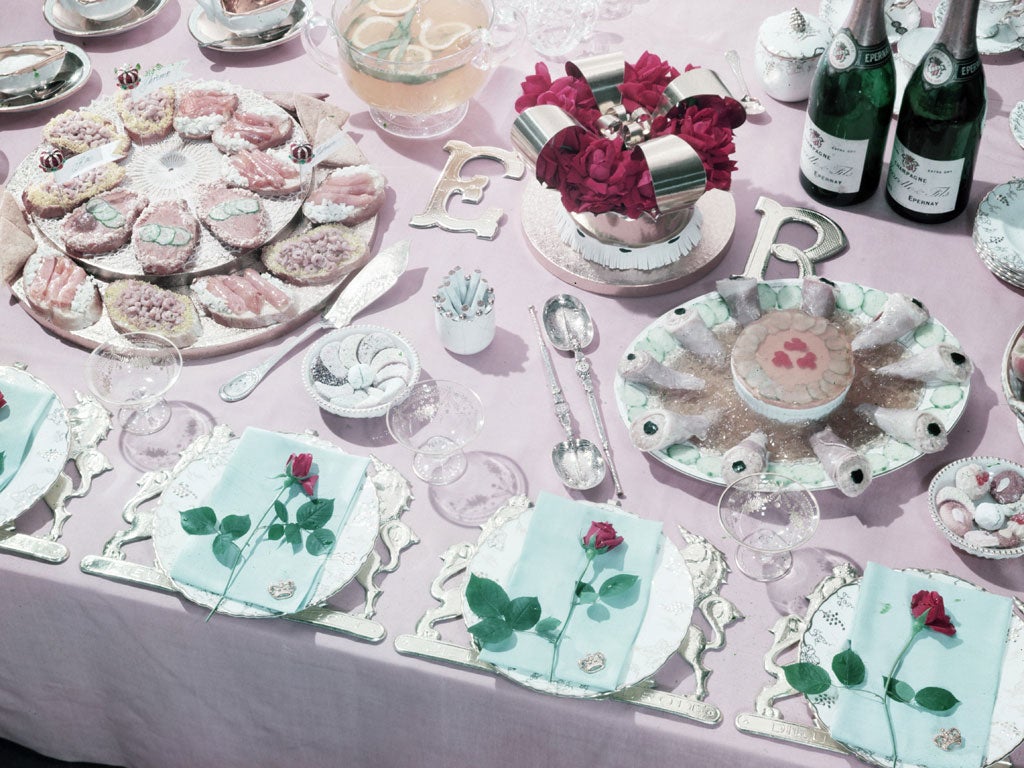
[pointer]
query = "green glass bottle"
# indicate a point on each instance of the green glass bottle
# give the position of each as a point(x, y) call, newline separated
point(849, 110)
point(940, 124)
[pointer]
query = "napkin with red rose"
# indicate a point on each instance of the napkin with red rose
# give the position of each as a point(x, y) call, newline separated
point(940, 637)
point(23, 408)
point(590, 567)
point(265, 530)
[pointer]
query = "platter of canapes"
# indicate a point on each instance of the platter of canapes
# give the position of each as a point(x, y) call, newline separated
point(205, 220)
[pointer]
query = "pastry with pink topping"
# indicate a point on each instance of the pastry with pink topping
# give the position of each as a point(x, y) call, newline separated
point(148, 117)
point(49, 199)
point(253, 129)
point(60, 291)
point(79, 131)
point(103, 223)
point(201, 111)
point(268, 173)
point(165, 237)
point(319, 256)
point(347, 196)
point(134, 305)
point(245, 299)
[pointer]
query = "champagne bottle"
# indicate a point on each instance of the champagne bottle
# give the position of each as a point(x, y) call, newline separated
point(849, 110)
point(940, 123)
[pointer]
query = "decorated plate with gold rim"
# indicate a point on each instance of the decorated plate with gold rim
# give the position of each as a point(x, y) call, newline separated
point(198, 478)
point(826, 636)
point(669, 607)
point(47, 456)
point(788, 451)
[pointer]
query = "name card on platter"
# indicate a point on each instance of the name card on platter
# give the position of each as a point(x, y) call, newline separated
point(158, 76)
point(79, 164)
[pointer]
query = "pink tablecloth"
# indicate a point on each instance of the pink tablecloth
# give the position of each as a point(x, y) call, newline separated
point(98, 671)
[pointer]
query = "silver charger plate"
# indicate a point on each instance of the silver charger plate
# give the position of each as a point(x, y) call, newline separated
point(210, 34)
point(63, 20)
point(75, 72)
point(669, 606)
point(48, 455)
point(858, 304)
point(826, 636)
point(198, 478)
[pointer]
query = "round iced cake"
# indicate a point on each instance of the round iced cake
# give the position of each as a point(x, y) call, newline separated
point(791, 366)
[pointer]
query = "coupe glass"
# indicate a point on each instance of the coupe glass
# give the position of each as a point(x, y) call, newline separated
point(132, 372)
point(436, 420)
point(768, 515)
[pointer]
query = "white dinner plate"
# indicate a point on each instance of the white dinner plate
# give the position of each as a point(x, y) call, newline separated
point(48, 454)
point(198, 478)
point(999, 231)
point(826, 636)
point(669, 606)
point(857, 303)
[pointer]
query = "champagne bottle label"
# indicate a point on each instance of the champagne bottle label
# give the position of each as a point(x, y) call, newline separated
point(941, 68)
point(830, 162)
point(844, 53)
point(923, 185)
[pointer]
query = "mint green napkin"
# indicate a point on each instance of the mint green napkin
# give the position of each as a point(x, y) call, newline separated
point(551, 561)
point(20, 419)
point(248, 485)
point(968, 664)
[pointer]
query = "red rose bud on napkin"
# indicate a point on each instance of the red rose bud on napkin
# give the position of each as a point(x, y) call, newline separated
point(3, 402)
point(601, 538)
point(298, 469)
point(929, 610)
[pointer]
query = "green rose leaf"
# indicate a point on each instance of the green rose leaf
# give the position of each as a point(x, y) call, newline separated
point(936, 699)
point(618, 585)
point(548, 628)
point(280, 510)
point(585, 592)
point(226, 551)
point(848, 667)
point(320, 542)
point(897, 689)
point(275, 532)
point(315, 513)
point(235, 526)
point(3, 458)
point(200, 521)
point(293, 535)
point(493, 629)
point(522, 613)
point(486, 598)
point(807, 678)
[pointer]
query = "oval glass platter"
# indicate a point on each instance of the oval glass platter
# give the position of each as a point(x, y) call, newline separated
point(826, 636)
point(46, 459)
point(855, 305)
point(669, 607)
point(199, 477)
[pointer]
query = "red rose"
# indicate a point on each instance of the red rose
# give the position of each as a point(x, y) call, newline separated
point(601, 537)
point(645, 81)
point(534, 86)
point(936, 618)
point(298, 468)
point(3, 401)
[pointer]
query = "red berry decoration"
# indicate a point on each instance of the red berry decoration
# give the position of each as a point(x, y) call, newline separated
point(781, 360)
point(808, 361)
point(302, 153)
point(128, 77)
point(52, 160)
point(796, 345)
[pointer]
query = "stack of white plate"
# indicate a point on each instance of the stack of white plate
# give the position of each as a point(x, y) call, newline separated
point(999, 232)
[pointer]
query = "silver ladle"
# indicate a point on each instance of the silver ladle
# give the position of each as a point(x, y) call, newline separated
point(577, 461)
point(570, 329)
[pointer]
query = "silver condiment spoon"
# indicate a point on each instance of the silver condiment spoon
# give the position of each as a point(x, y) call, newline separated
point(751, 104)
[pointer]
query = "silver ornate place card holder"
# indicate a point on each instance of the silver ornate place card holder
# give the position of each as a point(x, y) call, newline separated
point(394, 535)
point(702, 562)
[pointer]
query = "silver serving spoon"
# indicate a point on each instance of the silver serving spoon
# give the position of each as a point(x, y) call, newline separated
point(266, 36)
point(751, 104)
point(40, 93)
point(577, 462)
point(570, 329)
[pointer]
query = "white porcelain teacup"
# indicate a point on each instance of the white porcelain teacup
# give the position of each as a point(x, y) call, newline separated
point(247, 17)
point(992, 13)
point(99, 10)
